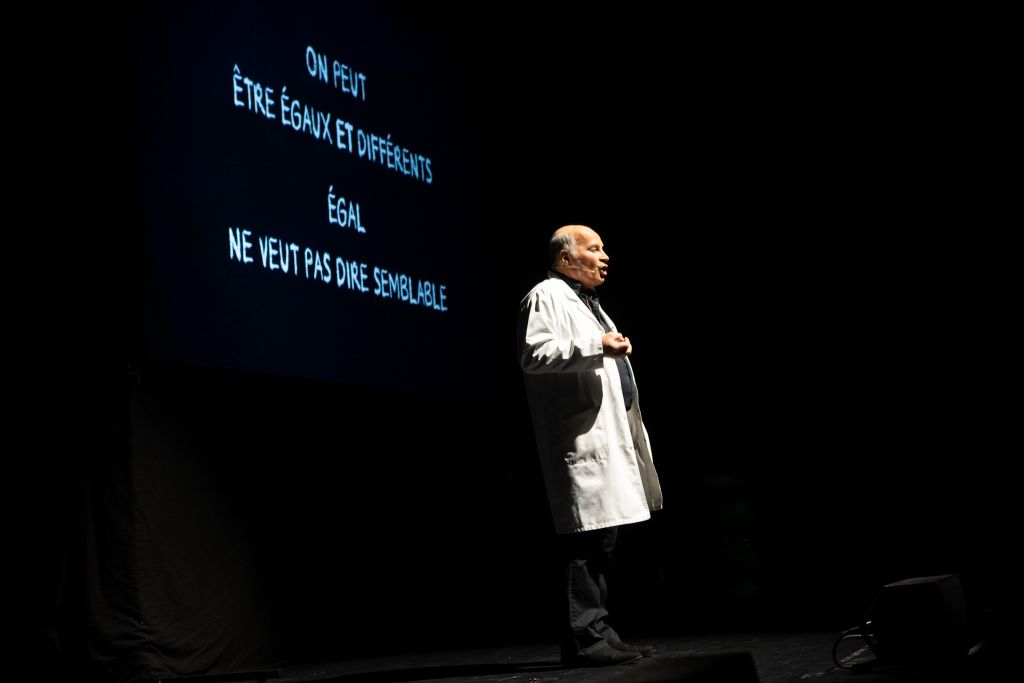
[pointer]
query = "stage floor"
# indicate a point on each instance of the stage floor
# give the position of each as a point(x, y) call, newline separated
point(724, 658)
point(777, 658)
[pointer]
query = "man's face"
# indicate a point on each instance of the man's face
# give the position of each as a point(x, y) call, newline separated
point(590, 265)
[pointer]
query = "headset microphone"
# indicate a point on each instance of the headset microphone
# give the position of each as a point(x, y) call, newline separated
point(586, 270)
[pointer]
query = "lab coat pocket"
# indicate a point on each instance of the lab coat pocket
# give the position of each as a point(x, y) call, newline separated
point(584, 440)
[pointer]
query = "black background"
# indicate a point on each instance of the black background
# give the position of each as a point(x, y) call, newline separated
point(812, 222)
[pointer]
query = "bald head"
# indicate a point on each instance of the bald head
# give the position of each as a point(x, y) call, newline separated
point(577, 252)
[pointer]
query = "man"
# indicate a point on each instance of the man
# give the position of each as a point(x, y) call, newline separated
point(594, 450)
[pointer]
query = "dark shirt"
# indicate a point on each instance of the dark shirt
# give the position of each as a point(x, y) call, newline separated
point(588, 295)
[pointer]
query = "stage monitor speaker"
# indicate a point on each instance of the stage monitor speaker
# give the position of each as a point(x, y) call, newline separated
point(919, 623)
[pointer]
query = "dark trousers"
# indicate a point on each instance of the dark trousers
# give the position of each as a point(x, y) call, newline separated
point(587, 558)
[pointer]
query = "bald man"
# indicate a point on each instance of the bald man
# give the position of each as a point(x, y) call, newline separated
point(594, 450)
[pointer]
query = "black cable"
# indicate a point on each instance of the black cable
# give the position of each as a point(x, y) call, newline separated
point(854, 632)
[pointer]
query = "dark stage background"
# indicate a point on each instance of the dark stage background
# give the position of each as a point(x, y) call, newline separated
point(811, 218)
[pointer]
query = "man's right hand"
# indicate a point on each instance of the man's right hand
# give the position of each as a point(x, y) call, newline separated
point(616, 346)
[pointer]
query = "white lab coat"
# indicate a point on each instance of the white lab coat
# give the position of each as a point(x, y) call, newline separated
point(596, 457)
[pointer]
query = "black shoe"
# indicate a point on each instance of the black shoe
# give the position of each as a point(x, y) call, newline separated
point(601, 654)
point(645, 650)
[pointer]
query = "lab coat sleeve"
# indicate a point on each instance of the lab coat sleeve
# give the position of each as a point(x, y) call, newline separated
point(547, 341)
